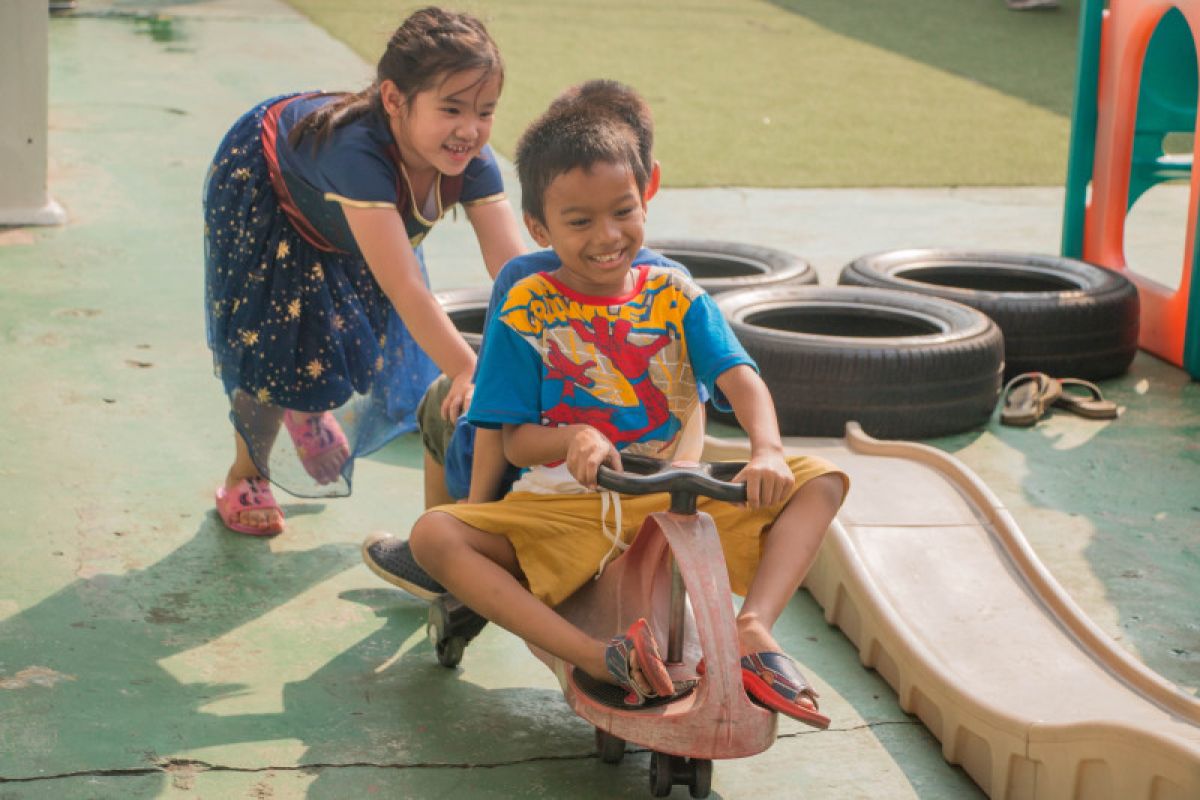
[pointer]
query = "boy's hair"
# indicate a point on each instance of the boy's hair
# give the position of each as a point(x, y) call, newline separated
point(620, 100)
point(567, 138)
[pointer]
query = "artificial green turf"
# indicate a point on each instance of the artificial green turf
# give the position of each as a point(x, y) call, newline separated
point(795, 93)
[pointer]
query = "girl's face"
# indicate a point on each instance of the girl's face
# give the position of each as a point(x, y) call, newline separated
point(444, 127)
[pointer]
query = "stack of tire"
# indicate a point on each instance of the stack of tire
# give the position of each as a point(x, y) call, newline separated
point(916, 343)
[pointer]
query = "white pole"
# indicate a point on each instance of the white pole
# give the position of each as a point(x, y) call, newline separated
point(24, 98)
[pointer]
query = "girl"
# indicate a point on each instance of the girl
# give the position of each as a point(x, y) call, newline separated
point(319, 314)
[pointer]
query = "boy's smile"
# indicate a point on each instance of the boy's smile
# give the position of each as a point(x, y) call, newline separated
point(595, 221)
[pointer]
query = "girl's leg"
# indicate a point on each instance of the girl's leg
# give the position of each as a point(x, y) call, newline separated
point(320, 444)
point(482, 571)
point(263, 423)
point(790, 548)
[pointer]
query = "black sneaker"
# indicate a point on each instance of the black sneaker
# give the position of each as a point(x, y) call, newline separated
point(391, 559)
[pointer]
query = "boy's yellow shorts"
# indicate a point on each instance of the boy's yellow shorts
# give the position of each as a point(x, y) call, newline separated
point(560, 544)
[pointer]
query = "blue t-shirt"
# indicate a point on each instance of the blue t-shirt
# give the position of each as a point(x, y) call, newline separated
point(461, 450)
point(632, 367)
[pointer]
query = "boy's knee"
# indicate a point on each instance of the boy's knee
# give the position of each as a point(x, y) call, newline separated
point(830, 488)
point(428, 539)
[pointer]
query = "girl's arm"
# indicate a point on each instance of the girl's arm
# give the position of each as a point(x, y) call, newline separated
point(380, 235)
point(498, 233)
point(768, 478)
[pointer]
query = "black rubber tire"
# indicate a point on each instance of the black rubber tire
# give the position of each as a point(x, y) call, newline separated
point(661, 774)
point(904, 366)
point(725, 266)
point(467, 308)
point(611, 748)
point(1058, 315)
point(702, 770)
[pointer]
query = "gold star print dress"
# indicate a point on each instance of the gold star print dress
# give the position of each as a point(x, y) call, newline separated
point(295, 319)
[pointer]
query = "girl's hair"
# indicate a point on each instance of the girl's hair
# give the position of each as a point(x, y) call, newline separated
point(430, 44)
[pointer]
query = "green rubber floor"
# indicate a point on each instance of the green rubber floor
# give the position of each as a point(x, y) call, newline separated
point(147, 652)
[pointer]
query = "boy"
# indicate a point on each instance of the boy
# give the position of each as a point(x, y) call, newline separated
point(460, 461)
point(595, 357)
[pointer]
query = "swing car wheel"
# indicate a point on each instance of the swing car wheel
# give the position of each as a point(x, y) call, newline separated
point(450, 651)
point(611, 748)
point(702, 771)
point(660, 774)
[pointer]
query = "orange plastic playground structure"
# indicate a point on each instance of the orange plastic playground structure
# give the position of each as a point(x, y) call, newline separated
point(1137, 84)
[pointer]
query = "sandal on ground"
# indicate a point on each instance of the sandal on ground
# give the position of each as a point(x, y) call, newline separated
point(1091, 405)
point(314, 436)
point(248, 494)
point(1026, 398)
point(618, 657)
point(773, 680)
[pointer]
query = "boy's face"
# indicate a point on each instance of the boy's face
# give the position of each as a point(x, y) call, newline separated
point(595, 221)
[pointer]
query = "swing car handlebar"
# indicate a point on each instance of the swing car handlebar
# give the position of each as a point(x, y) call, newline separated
point(646, 475)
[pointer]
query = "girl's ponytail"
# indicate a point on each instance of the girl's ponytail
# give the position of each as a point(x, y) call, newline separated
point(431, 44)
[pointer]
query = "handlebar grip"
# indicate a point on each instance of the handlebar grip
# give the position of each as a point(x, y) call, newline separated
point(644, 475)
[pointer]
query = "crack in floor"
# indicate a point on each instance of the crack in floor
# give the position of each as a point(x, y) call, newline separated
point(175, 765)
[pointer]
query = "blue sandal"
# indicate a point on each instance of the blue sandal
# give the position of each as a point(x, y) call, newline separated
point(618, 658)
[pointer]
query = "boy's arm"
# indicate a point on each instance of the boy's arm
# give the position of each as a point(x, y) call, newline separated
point(488, 466)
point(582, 447)
point(768, 478)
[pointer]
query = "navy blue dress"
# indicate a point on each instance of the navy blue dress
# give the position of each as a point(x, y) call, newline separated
point(295, 318)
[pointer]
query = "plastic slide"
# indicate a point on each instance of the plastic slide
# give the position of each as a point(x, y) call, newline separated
point(932, 580)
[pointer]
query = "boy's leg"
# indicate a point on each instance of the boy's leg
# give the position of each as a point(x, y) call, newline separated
point(389, 556)
point(790, 548)
point(436, 493)
point(436, 432)
point(482, 571)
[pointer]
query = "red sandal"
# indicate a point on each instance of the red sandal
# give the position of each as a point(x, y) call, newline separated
point(617, 657)
point(773, 680)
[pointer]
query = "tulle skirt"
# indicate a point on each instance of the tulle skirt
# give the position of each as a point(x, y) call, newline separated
point(294, 327)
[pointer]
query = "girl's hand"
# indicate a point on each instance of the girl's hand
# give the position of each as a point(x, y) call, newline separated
point(458, 398)
point(768, 479)
point(588, 449)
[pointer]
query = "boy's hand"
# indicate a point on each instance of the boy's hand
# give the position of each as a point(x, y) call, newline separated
point(458, 397)
point(768, 479)
point(588, 449)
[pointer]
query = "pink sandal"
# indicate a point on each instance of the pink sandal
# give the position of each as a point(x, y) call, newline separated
point(314, 436)
point(248, 494)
